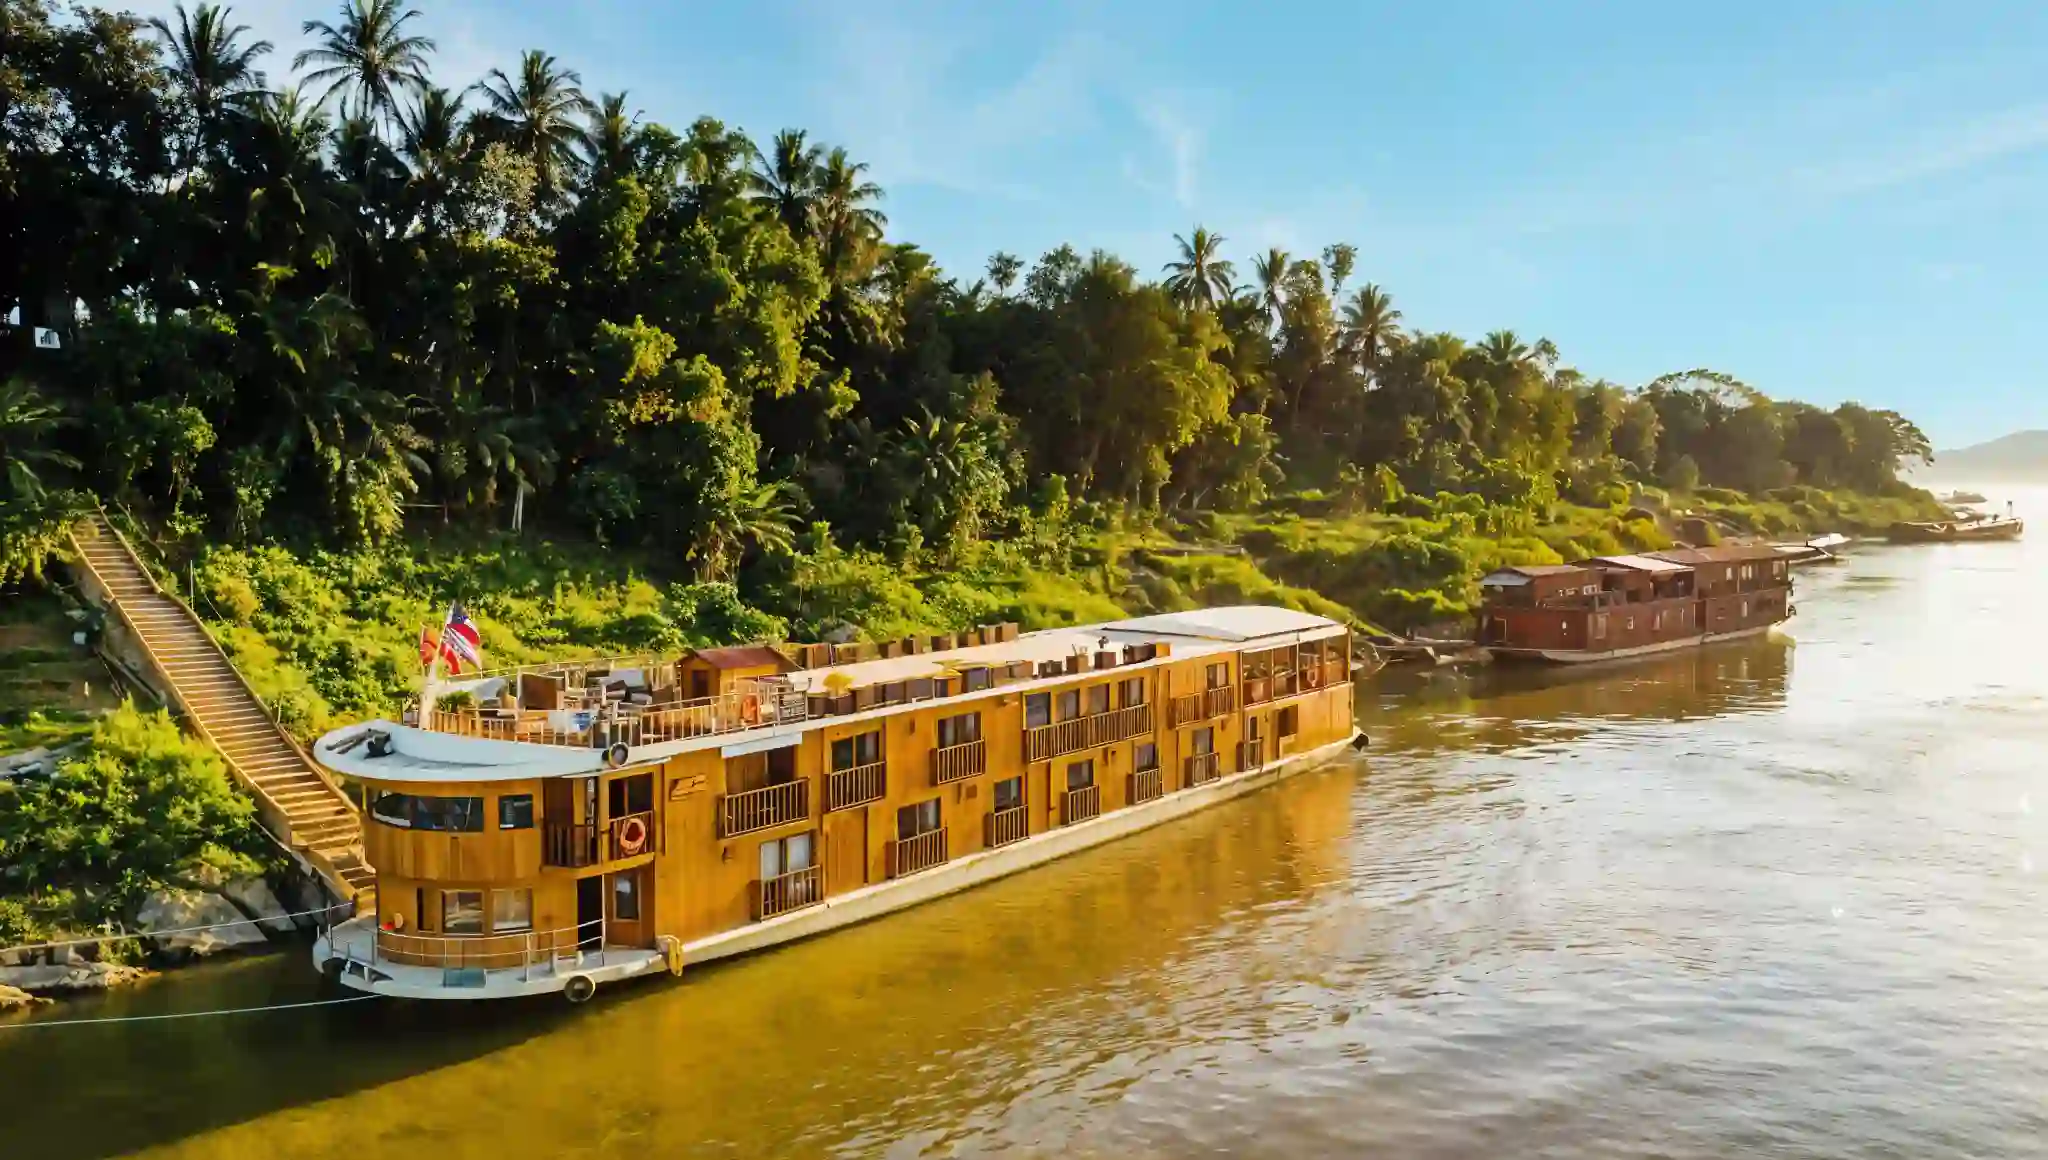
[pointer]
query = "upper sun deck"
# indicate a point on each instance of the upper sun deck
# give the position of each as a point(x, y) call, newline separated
point(568, 718)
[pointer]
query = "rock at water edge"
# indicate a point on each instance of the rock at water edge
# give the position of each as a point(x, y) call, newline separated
point(15, 999)
point(179, 910)
point(56, 977)
point(253, 894)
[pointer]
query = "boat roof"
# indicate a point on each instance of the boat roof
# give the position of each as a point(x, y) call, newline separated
point(1641, 563)
point(742, 656)
point(1718, 554)
point(1533, 570)
point(422, 755)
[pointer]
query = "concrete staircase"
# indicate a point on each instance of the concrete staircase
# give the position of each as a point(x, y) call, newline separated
point(300, 808)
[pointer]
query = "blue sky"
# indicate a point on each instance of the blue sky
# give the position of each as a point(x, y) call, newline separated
point(1829, 200)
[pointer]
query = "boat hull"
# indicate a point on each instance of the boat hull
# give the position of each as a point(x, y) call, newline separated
point(1953, 533)
point(1548, 656)
point(345, 949)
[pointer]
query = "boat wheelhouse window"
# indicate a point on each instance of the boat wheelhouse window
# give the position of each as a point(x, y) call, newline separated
point(959, 730)
point(456, 814)
point(913, 820)
point(1037, 710)
point(976, 678)
point(462, 912)
point(1098, 699)
point(781, 856)
point(515, 811)
point(626, 897)
point(1204, 740)
point(1288, 723)
point(895, 693)
point(921, 689)
point(1070, 704)
point(1009, 793)
point(511, 911)
point(1080, 775)
point(1132, 692)
point(635, 794)
point(1144, 756)
point(1219, 675)
point(859, 749)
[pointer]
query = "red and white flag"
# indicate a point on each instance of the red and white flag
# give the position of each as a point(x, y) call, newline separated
point(457, 645)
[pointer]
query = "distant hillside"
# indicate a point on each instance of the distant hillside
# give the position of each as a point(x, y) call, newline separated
point(2022, 455)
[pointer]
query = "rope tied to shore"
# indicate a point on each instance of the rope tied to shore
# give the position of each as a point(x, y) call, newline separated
point(136, 934)
point(33, 1024)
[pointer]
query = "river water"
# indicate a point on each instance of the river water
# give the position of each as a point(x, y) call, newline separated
point(1780, 898)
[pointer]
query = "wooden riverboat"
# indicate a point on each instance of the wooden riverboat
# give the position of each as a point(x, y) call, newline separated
point(1617, 607)
point(558, 827)
point(1966, 527)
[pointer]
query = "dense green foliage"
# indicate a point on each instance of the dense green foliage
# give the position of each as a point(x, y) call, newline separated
point(327, 316)
point(143, 807)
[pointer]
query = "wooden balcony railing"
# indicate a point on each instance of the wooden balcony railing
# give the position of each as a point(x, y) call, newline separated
point(758, 809)
point(1078, 805)
point(598, 723)
point(569, 844)
point(1146, 784)
point(786, 892)
point(1048, 741)
point(1006, 826)
point(1250, 755)
point(1203, 705)
point(954, 762)
point(847, 788)
point(624, 839)
point(1200, 768)
point(909, 855)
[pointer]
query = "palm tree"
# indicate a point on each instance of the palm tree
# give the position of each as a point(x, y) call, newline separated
point(537, 114)
point(849, 223)
point(1340, 258)
point(28, 423)
point(430, 139)
point(761, 515)
point(287, 138)
point(210, 65)
point(608, 143)
point(785, 179)
point(1272, 274)
point(1371, 326)
point(1200, 278)
point(1503, 350)
point(1003, 268)
point(367, 55)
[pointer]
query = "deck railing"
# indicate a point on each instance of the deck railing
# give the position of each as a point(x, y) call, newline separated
point(954, 762)
point(1200, 768)
point(1096, 729)
point(522, 951)
point(1250, 755)
point(568, 844)
point(786, 892)
point(1146, 784)
point(1006, 826)
point(856, 786)
point(758, 809)
point(909, 855)
point(1078, 805)
point(1203, 705)
point(753, 705)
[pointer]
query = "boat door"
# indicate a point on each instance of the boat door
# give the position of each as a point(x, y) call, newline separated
point(590, 912)
point(846, 850)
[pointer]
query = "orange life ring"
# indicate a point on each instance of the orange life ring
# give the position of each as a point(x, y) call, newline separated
point(750, 709)
point(632, 836)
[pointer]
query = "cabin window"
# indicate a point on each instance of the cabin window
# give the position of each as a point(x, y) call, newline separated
point(700, 685)
point(1144, 756)
point(462, 912)
point(1600, 626)
point(1204, 740)
point(1629, 624)
point(410, 811)
point(1133, 692)
point(959, 730)
point(921, 818)
point(515, 811)
point(1219, 676)
point(1080, 775)
point(1098, 699)
point(634, 795)
point(511, 911)
point(1656, 620)
point(1288, 723)
point(1037, 710)
point(1070, 704)
point(921, 689)
point(786, 855)
point(626, 897)
point(393, 809)
point(857, 750)
point(976, 679)
point(1009, 793)
point(1745, 609)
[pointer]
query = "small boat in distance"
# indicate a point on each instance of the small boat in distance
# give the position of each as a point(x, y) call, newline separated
point(1966, 526)
point(1819, 550)
point(1955, 498)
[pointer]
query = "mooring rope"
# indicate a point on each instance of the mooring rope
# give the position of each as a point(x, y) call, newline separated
point(185, 1014)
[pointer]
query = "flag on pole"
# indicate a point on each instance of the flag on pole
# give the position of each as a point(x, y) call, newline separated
point(457, 645)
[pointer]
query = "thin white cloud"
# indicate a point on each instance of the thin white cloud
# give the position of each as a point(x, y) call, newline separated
point(1179, 138)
